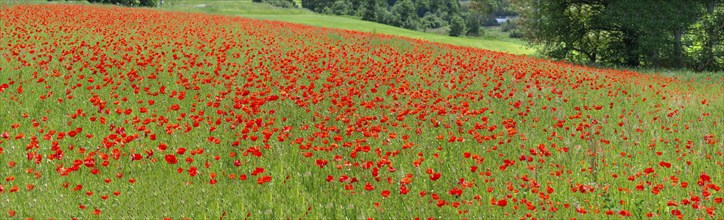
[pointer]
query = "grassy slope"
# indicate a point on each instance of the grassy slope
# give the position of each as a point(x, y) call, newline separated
point(246, 8)
point(494, 38)
point(206, 202)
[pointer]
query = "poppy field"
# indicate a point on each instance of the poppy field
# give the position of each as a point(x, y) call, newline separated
point(109, 112)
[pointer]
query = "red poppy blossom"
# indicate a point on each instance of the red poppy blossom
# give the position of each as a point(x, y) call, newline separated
point(385, 193)
point(171, 159)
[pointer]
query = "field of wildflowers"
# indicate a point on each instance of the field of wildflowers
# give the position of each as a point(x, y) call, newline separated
point(108, 112)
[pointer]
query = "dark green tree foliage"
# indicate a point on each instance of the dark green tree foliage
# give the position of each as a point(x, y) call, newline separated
point(431, 20)
point(457, 26)
point(279, 3)
point(710, 30)
point(409, 14)
point(341, 7)
point(451, 8)
point(508, 26)
point(356, 4)
point(473, 25)
point(647, 28)
point(346, 7)
point(149, 3)
point(118, 2)
point(512, 29)
point(622, 32)
point(422, 7)
point(406, 15)
point(372, 10)
point(145, 3)
point(319, 6)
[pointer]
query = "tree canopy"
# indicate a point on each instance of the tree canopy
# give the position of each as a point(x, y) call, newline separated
point(147, 3)
point(409, 14)
point(682, 33)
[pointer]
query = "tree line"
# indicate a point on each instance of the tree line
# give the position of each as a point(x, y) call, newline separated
point(651, 33)
point(456, 17)
point(648, 33)
point(144, 3)
point(279, 3)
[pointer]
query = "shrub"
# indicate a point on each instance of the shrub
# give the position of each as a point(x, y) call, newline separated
point(317, 5)
point(119, 2)
point(515, 33)
point(490, 21)
point(280, 3)
point(457, 26)
point(149, 3)
point(508, 26)
point(431, 20)
point(473, 24)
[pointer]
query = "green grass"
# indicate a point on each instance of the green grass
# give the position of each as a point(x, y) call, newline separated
point(364, 85)
point(246, 8)
point(17, 2)
point(230, 7)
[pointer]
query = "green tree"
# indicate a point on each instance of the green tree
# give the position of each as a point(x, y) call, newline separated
point(431, 20)
point(410, 14)
point(562, 29)
point(281, 3)
point(149, 3)
point(406, 14)
point(125, 2)
point(649, 29)
point(632, 33)
point(712, 29)
point(457, 26)
point(473, 25)
point(422, 7)
point(484, 7)
point(317, 5)
point(373, 10)
point(452, 8)
point(341, 7)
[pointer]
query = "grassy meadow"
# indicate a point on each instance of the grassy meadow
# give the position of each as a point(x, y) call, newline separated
point(110, 112)
point(245, 8)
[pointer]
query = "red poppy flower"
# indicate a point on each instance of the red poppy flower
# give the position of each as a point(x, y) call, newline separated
point(162, 147)
point(435, 176)
point(665, 164)
point(264, 179)
point(502, 202)
point(385, 193)
point(193, 171)
point(136, 157)
point(171, 159)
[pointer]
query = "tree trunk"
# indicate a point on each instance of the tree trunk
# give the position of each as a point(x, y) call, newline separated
point(708, 61)
point(592, 58)
point(630, 42)
point(655, 58)
point(678, 49)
